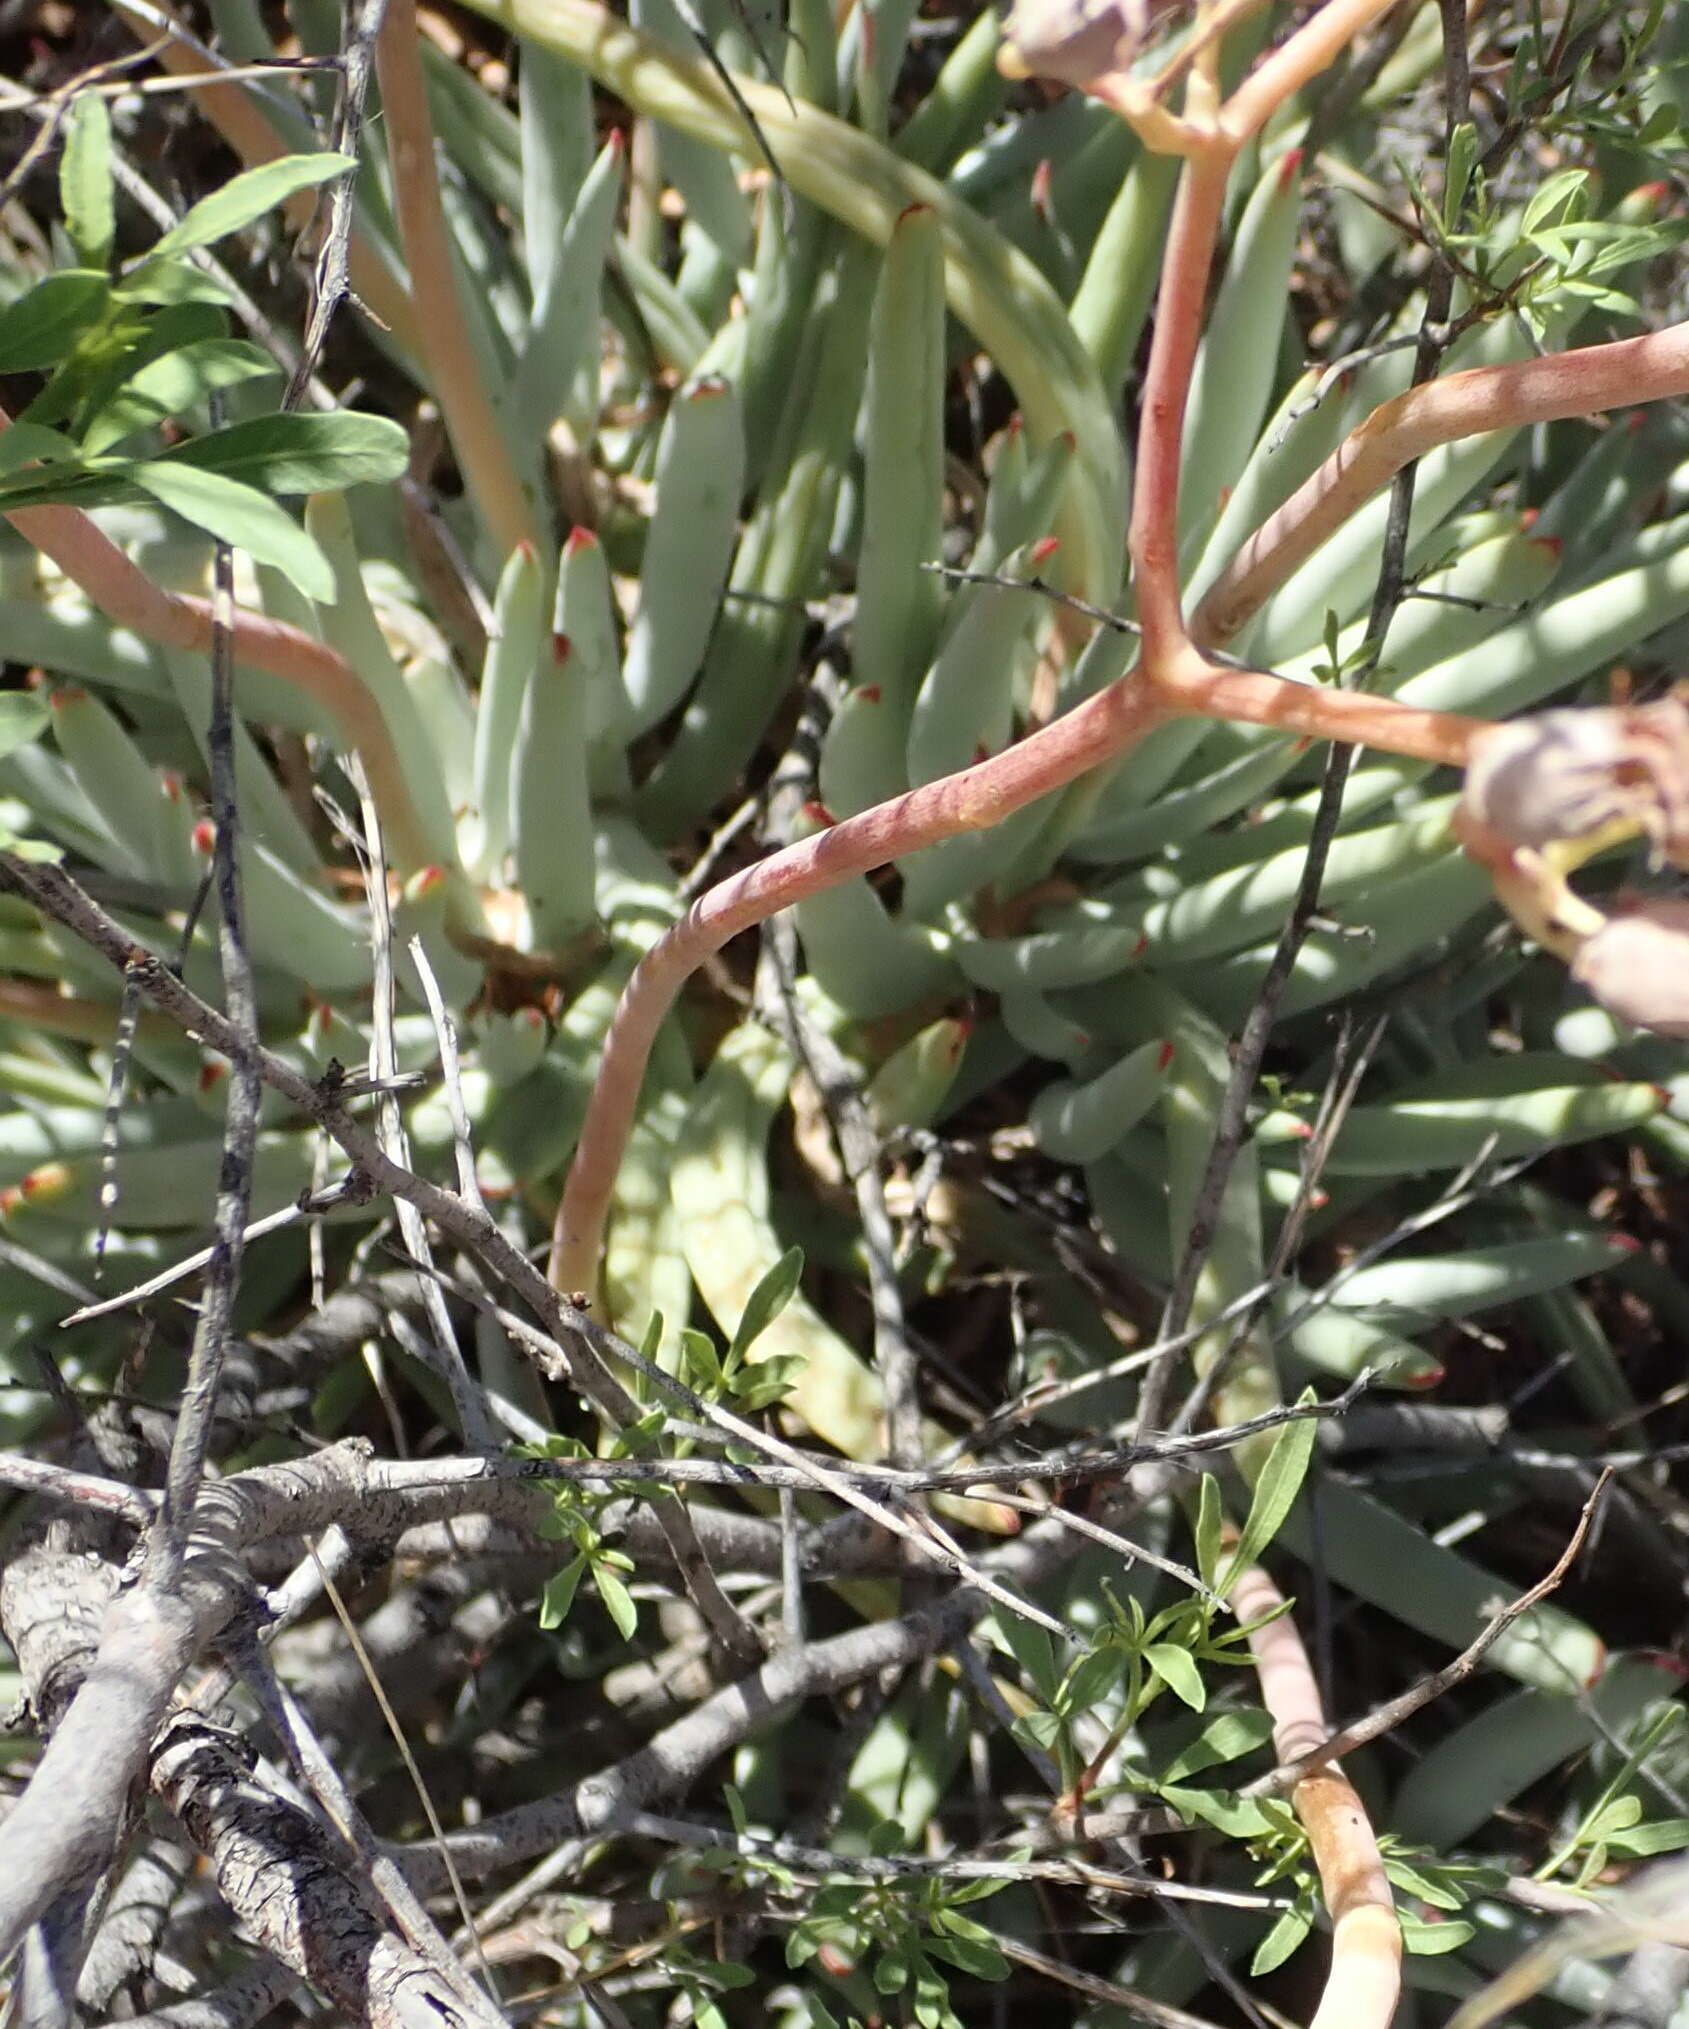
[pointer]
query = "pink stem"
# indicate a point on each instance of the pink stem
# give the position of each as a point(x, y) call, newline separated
point(119, 588)
point(973, 800)
point(1178, 330)
point(453, 369)
point(1309, 51)
point(1651, 368)
point(1365, 1979)
point(1189, 682)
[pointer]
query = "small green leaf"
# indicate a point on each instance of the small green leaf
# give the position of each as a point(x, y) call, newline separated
point(41, 328)
point(1284, 1937)
point(243, 199)
point(1091, 1678)
point(1404, 1875)
point(1177, 1669)
point(559, 1594)
point(1238, 1817)
point(891, 1972)
point(1432, 1940)
point(1226, 1736)
point(174, 280)
point(1032, 1648)
point(767, 1301)
point(1275, 1491)
point(983, 1961)
point(26, 442)
point(618, 1601)
point(301, 453)
point(1043, 1729)
point(699, 1362)
point(173, 386)
point(1210, 1519)
point(238, 515)
point(1666, 1835)
point(85, 187)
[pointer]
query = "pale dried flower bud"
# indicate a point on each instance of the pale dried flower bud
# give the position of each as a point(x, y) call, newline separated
point(1076, 42)
point(1637, 965)
point(1582, 777)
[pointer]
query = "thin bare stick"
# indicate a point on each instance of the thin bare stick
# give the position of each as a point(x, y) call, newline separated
point(72, 1489)
point(475, 1419)
point(239, 114)
point(1393, 1712)
point(1365, 1979)
point(453, 369)
point(167, 1544)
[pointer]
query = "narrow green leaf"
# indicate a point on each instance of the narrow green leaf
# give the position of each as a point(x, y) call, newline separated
point(85, 187)
point(301, 453)
point(767, 1301)
point(173, 386)
point(1226, 1736)
point(1403, 1875)
point(559, 1594)
point(241, 516)
point(1284, 1937)
point(1177, 1669)
point(243, 199)
point(1432, 1940)
point(173, 281)
point(1275, 1491)
point(1091, 1678)
point(618, 1601)
point(1668, 1835)
point(983, 1961)
point(40, 329)
point(1238, 1817)
point(1032, 1648)
point(26, 441)
point(1210, 1519)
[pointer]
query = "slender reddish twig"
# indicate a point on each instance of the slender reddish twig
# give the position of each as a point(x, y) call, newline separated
point(1311, 50)
point(453, 369)
point(120, 589)
point(1178, 331)
point(1365, 1980)
point(1171, 678)
point(1546, 390)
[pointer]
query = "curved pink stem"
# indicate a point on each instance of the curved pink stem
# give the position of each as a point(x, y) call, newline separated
point(1470, 404)
point(1102, 727)
point(1365, 1980)
point(117, 586)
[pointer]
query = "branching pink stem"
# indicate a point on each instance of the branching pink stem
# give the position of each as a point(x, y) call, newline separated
point(973, 800)
point(1471, 404)
point(1178, 331)
point(1311, 50)
point(1365, 1980)
point(1171, 679)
